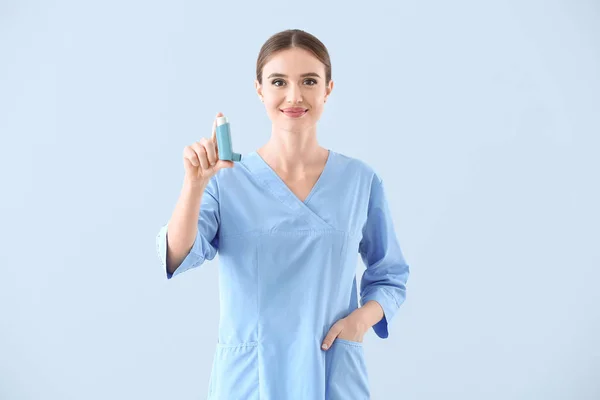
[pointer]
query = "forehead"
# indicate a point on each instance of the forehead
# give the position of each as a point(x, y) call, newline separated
point(292, 62)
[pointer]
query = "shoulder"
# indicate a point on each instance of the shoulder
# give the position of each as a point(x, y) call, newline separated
point(356, 167)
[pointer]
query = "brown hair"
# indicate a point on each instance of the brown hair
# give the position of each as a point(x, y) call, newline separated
point(293, 38)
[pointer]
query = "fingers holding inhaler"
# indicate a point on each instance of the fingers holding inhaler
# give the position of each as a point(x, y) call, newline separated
point(201, 159)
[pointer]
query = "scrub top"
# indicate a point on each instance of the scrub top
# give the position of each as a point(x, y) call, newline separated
point(287, 273)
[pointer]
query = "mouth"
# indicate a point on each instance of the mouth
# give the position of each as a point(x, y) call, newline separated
point(294, 112)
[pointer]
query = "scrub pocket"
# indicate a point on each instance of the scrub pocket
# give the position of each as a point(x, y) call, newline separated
point(235, 372)
point(347, 371)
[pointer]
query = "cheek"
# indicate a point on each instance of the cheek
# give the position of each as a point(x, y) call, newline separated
point(272, 107)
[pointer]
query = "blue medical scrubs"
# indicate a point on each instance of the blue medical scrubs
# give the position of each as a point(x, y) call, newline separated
point(287, 273)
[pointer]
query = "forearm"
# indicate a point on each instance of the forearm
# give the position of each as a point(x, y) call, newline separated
point(183, 225)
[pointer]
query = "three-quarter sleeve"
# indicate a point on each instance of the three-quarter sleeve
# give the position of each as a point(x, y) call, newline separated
point(206, 243)
point(384, 279)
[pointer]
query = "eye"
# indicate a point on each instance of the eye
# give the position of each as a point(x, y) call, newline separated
point(274, 82)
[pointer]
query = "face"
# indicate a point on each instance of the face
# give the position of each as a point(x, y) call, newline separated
point(294, 78)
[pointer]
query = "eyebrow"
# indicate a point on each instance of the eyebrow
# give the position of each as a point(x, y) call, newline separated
point(277, 75)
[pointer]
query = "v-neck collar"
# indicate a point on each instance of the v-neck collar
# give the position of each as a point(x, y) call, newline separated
point(269, 177)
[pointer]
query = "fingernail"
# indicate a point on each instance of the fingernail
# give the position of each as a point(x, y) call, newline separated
point(324, 347)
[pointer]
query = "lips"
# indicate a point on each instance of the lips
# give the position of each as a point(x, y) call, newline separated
point(294, 111)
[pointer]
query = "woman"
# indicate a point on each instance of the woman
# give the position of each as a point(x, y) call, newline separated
point(288, 221)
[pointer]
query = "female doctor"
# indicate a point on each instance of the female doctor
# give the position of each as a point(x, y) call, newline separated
point(288, 221)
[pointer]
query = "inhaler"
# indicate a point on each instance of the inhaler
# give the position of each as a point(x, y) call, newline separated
point(224, 141)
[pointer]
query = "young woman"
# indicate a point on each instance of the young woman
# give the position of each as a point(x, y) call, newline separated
point(288, 221)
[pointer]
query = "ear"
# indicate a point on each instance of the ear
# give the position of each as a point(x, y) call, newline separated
point(258, 88)
point(328, 89)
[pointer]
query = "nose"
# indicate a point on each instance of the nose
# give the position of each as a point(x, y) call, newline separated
point(294, 94)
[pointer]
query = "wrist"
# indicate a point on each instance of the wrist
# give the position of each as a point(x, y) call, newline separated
point(194, 186)
point(370, 313)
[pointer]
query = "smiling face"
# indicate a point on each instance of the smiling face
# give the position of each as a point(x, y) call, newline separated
point(295, 79)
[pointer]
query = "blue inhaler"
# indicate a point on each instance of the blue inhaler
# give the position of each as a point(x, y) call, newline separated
point(224, 141)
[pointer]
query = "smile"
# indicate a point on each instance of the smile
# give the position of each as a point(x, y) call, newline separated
point(294, 113)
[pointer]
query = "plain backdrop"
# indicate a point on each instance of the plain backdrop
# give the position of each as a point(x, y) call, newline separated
point(482, 117)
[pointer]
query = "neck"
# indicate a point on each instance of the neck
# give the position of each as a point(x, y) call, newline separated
point(293, 152)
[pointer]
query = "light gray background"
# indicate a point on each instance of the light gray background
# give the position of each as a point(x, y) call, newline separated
point(489, 146)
